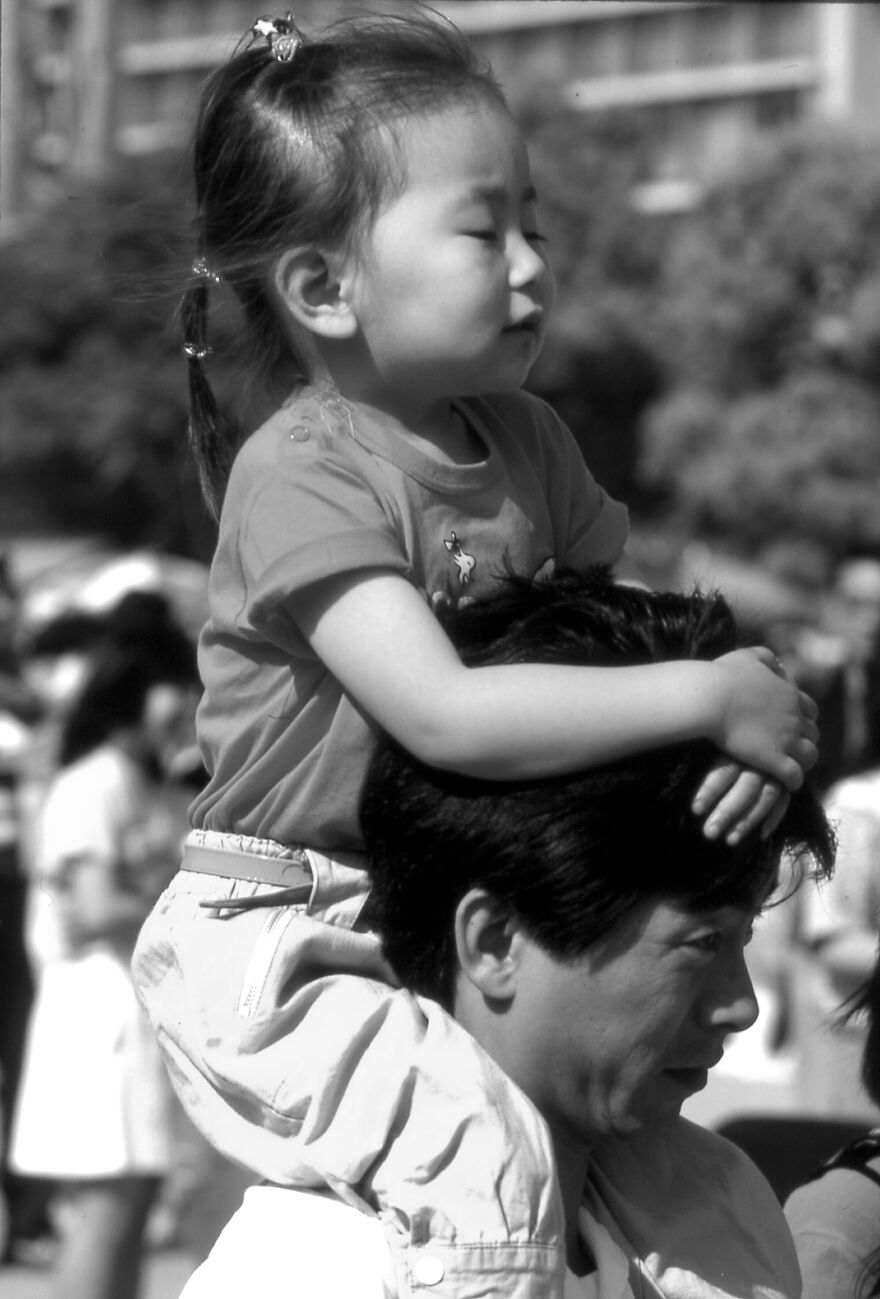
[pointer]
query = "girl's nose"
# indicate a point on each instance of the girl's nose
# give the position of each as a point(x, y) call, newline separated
point(528, 263)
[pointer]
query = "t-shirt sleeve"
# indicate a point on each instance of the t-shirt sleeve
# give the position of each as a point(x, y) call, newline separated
point(315, 518)
point(592, 526)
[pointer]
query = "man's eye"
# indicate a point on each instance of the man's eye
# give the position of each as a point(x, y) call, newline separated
point(707, 942)
point(487, 236)
point(534, 237)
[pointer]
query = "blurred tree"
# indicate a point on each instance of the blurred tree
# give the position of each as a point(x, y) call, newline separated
point(721, 367)
point(92, 384)
point(599, 368)
point(800, 460)
point(770, 312)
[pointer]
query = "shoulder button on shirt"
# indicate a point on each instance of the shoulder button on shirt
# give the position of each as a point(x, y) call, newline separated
point(428, 1270)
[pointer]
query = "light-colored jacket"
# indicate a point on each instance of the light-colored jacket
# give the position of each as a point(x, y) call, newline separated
point(677, 1212)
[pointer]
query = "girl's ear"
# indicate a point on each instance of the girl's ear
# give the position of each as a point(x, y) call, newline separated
point(308, 282)
point(488, 940)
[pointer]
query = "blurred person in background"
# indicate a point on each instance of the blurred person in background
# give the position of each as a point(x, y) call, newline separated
point(837, 923)
point(55, 660)
point(835, 1217)
point(837, 938)
point(94, 1112)
point(20, 709)
point(201, 1188)
point(833, 652)
point(857, 599)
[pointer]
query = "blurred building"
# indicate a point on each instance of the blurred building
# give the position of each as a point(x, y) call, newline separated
point(89, 83)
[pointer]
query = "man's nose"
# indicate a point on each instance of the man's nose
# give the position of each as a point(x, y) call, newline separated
point(730, 1000)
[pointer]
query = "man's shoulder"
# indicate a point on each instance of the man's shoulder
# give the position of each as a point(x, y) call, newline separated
point(697, 1211)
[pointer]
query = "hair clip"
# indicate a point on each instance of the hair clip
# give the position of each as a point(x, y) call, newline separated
point(280, 34)
point(201, 271)
point(195, 352)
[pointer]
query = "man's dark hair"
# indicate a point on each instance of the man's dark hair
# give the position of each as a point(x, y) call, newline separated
point(574, 855)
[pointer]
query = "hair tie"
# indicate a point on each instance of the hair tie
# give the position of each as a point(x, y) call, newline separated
point(194, 347)
point(280, 34)
point(201, 271)
point(196, 352)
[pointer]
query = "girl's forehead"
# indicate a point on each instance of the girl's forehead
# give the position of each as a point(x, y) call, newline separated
point(476, 141)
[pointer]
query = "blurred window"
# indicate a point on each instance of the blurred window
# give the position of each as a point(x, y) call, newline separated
point(710, 36)
point(651, 43)
point(779, 30)
point(780, 109)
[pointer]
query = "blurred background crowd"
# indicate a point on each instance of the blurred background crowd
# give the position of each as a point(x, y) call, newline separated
point(709, 178)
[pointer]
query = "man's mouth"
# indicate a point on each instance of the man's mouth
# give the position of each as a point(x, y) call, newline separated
point(694, 1077)
point(692, 1080)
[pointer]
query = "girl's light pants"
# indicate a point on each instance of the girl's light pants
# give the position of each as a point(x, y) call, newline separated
point(296, 1057)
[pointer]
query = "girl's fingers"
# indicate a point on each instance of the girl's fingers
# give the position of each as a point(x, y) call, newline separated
point(809, 707)
point(764, 807)
point(736, 807)
point(715, 784)
point(806, 754)
point(775, 815)
point(810, 731)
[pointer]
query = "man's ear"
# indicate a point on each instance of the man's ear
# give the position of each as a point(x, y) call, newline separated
point(488, 940)
point(309, 283)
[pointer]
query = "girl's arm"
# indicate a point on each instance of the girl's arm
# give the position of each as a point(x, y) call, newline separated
point(377, 636)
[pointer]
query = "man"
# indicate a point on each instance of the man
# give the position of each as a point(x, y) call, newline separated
point(591, 940)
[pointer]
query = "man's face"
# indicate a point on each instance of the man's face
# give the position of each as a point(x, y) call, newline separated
point(626, 1033)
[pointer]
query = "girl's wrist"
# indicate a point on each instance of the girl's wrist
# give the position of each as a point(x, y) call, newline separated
point(701, 696)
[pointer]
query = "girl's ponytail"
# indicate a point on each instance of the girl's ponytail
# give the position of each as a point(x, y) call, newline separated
point(208, 442)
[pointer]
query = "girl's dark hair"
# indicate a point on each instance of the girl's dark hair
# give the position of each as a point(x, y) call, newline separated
point(302, 153)
point(141, 647)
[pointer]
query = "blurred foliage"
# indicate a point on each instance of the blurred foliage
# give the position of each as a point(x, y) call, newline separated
point(720, 369)
point(600, 367)
point(769, 429)
point(92, 385)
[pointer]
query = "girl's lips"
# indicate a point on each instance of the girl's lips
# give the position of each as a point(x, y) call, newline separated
point(530, 323)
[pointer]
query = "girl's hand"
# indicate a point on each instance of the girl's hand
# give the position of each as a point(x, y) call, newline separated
point(735, 800)
point(762, 719)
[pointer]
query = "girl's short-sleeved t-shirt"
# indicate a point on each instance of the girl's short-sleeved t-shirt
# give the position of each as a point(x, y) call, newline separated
point(311, 497)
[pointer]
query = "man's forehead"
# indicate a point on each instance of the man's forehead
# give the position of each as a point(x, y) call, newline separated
point(750, 902)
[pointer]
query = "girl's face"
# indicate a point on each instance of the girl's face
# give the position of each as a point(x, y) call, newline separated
point(451, 287)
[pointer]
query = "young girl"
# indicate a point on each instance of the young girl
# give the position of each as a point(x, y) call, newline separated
point(367, 197)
